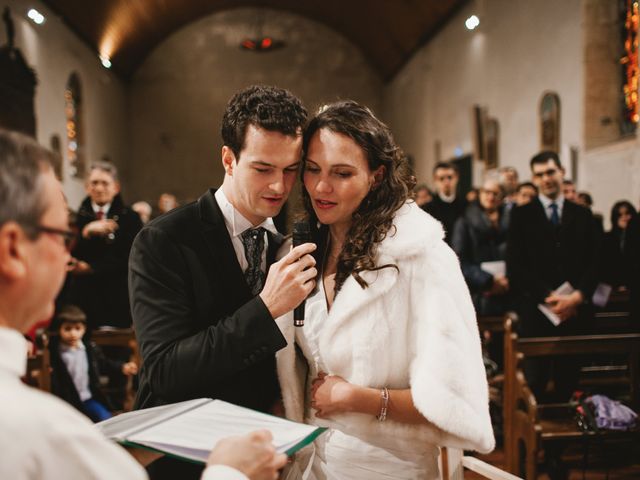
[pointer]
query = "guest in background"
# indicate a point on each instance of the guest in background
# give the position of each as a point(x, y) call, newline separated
point(526, 192)
point(480, 235)
point(166, 203)
point(586, 200)
point(569, 190)
point(472, 196)
point(77, 364)
point(447, 206)
point(614, 265)
point(422, 195)
point(106, 229)
point(509, 182)
point(144, 210)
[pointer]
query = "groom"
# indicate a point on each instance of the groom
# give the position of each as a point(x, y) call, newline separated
point(204, 287)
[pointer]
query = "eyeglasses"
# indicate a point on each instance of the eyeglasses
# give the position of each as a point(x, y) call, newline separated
point(67, 235)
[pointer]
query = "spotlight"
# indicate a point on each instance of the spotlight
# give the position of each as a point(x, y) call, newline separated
point(472, 22)
point(106, 62)
point(35, 16)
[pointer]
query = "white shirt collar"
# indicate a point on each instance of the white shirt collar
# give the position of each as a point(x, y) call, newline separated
point(13, 352)
point(67, 348)
point(105, 208)
point(447, 198)
point(546, 201)
point(236, 223)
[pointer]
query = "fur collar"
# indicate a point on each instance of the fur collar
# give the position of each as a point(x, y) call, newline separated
point(394, 249)
point(425, 231)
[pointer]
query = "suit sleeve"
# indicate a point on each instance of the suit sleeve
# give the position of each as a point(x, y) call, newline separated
point(113, 259)
point(519, 268)
point(180, 356)
point(477, 279)
point(594, 238)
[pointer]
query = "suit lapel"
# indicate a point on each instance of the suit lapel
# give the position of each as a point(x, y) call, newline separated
point(275, 241)
point(218, 242)
point(567, 221)
point(541, 219)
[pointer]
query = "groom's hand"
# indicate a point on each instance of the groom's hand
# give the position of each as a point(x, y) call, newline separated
point(290, 280)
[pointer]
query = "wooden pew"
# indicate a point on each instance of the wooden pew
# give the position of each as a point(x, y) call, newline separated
point(121, 337)
point(453, 464)
point(39, 365)
point(528, 425)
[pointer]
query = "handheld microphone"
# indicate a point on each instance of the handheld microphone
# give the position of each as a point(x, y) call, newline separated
point(301, 234)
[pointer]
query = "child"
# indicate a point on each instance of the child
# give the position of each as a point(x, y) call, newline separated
point(74, 362)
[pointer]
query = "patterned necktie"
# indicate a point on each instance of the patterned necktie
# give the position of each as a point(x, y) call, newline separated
point(253, 241)
point(555, 218)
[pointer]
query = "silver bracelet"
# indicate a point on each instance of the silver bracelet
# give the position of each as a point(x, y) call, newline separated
point(384, 404)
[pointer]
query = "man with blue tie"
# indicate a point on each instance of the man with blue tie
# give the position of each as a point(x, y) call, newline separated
point(552, 241)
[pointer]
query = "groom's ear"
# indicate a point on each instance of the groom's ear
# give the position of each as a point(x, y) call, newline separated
point(228, 160)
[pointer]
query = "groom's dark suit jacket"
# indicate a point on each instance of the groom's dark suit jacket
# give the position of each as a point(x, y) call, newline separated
point(201, 331)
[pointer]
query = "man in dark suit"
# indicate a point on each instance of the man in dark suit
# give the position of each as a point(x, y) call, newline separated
point(106, 229)
point(202, 308)
point(551, 241)
point(447, 206)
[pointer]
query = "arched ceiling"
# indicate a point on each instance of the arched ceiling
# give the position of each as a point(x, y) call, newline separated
point(387, 31)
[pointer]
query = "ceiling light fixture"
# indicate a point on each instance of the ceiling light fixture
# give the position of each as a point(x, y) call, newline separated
point(260, 42)
point(472, 22)
point(264, 44)
point(106, 61)
point(36, 17)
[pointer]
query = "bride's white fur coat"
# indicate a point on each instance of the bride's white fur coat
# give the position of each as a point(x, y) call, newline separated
point(415, 328)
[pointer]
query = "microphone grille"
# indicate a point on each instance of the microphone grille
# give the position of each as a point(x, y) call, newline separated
point(301, 227)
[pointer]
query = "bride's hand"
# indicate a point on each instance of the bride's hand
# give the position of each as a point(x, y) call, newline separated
point(330, 394)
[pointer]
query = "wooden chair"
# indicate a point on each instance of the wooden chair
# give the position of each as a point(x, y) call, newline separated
point(453, 463)
point(39, 365)
point(121, 337)
point(528, 425)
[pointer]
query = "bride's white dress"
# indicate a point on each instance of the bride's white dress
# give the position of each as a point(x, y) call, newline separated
point(342, 453)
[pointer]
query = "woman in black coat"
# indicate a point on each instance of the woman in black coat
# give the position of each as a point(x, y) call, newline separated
point(480, 236)
point(613, 267)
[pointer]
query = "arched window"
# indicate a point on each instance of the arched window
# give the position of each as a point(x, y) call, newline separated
point(550, 122)
point(75, 132)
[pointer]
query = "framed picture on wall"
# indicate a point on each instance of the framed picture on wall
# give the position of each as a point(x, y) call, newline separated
point(550, 122)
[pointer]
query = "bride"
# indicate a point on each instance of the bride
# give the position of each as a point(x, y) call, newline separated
point(389, 356)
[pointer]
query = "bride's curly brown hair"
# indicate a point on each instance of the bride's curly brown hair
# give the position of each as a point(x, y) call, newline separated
point(374, 217)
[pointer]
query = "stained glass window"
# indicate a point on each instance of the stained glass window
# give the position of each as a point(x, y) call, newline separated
point(75, 133)
point(629, 62)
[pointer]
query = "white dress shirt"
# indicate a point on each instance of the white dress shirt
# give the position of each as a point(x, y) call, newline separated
point(104, 208)
point(546, 203)
point(45, 438)
point(77, 363)
point(236, 224)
